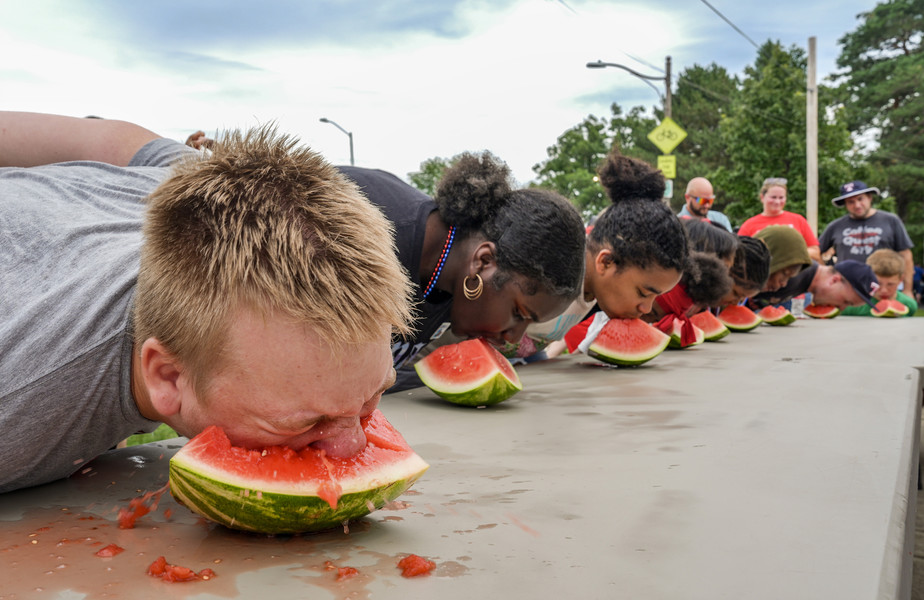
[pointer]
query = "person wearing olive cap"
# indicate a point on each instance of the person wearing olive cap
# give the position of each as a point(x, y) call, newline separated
point(864, 229)
point(788, 254)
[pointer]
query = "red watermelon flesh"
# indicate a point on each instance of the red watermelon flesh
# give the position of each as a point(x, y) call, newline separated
point(713, 329)
point(739, 318)
point(628, 342)
point(280, 490)
point(821, 311)
point(776, 315)
point(471, 373)
point(889, 308)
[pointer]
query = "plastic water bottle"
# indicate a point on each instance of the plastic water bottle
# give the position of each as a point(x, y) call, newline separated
point(798, 303)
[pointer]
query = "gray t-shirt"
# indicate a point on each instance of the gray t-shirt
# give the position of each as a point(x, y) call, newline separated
point(855, 239)
point(70, 237)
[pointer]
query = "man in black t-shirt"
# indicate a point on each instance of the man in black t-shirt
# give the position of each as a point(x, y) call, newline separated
point(864, 229)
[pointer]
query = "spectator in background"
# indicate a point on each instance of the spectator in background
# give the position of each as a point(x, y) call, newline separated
point(889, 267)
point(773, 197)
point(698, 201)
point(864, 229)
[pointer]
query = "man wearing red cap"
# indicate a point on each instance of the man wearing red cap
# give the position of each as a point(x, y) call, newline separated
point(864, 229)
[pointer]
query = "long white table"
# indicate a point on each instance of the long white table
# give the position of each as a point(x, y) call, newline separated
point(780, 463)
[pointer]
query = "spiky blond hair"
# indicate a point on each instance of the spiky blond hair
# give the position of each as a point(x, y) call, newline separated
point(265, 224)
point(886, 262)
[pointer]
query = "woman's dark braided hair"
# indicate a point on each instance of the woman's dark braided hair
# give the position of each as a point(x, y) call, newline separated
point(537, 233)
point(639, 226)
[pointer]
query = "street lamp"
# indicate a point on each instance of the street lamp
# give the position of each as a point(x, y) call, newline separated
point(349, 135)
point(666, 79)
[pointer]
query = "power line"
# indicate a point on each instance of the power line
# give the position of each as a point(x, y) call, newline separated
point(735, 27)
point(635, 58)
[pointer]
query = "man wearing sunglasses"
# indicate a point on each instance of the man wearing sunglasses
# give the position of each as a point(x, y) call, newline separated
point(698, 203)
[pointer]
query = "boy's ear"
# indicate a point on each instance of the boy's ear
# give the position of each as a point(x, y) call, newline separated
point(160, 373)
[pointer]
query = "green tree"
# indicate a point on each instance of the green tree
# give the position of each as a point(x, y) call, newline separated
point(702, 99)
point(572, 165)
point(764, 136)
point(430, 173)
point(883, 64)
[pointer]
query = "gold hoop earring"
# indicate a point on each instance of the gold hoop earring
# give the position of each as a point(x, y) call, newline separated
point(475, 293)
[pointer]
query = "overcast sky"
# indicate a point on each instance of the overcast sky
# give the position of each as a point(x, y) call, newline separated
point(411, 80)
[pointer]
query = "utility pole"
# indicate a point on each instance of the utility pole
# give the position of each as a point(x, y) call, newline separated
point(667, 88)
point(811, 141)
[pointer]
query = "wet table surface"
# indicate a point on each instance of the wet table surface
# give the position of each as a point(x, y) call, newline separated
point(774, 464)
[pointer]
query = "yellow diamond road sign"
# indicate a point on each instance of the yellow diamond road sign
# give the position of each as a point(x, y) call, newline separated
point(667, 135)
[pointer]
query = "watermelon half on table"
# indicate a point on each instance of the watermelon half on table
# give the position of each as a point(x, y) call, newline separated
point(739, 318)
point(278, 490)
point(776, 315)
point(713, 329)
point(821, 311)
point(471, 373)
point(628, 342)
point(889, 308)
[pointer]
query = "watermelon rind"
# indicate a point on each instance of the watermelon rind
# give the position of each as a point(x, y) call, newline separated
point(776, 316)
point(821, 311)
point(243, 504)
point(739, 318)
point(492, 388)
point(713, 329)
point(889, 308)
point(279, 490)
point(610, 346)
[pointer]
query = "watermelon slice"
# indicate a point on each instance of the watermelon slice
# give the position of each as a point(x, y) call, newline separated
point(279, 490)
point(628, 342)
point(739, 318)
point(676, 336)
point(713, 329)
point(776, 315)
point(889, 308)
point(471, 373)
point(821, 311)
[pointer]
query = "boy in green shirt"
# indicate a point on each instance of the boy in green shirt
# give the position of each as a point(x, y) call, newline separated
point(889, 266)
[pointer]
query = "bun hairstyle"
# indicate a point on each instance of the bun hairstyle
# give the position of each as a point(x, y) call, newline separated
point(536, 232)
point(751, 268)
point(639, 227)
point(706, 279)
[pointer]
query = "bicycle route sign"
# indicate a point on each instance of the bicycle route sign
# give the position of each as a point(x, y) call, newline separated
point(667, 135)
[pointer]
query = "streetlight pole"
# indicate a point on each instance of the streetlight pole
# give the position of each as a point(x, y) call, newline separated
point(349, 135)
point(666, 79)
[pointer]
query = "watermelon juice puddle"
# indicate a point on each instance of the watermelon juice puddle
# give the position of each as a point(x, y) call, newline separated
point(50, 553)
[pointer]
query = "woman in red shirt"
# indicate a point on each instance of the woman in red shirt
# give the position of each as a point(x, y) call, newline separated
point(773, 197)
